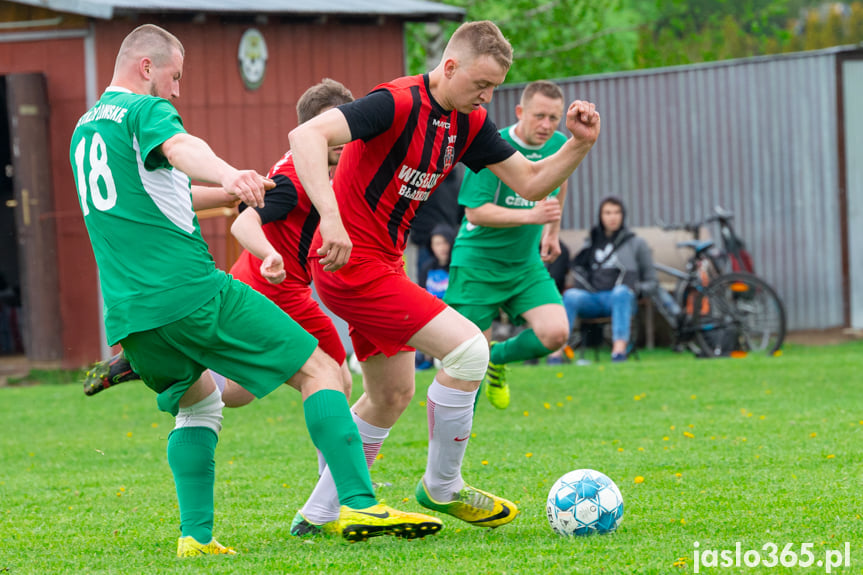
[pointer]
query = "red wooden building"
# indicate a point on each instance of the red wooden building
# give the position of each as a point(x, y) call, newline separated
point(56, 62)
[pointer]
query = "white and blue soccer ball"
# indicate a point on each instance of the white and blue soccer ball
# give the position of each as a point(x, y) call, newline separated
point(583, 502)
point(354, 364)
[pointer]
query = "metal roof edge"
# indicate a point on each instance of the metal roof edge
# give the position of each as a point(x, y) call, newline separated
point(415, 16)
point(82, 7)
point(107, 10)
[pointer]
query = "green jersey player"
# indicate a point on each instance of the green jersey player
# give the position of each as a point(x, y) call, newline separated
point(499, 253)
point(177, 315)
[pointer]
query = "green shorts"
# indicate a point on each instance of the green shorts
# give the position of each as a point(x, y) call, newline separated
point(239, 334)
point(478, 294)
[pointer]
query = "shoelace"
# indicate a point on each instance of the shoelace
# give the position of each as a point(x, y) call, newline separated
point(476, 499)
point(495, 372)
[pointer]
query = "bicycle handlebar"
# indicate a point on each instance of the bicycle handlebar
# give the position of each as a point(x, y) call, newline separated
point(720, 215)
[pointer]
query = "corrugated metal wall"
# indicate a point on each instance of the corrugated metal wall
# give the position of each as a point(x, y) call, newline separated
point(852, 73)
point(756, 136)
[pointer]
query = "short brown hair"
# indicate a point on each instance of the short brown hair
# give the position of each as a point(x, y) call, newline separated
point(548, 89)
point(327, 94)
point(483, 38)
point(149, 40)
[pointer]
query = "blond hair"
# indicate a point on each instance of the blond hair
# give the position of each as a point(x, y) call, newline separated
point(149, 41)
point(327, 94)
point(481, 38)
point(548, 89)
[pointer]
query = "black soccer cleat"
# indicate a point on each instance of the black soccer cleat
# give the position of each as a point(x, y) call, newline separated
point(105, 374)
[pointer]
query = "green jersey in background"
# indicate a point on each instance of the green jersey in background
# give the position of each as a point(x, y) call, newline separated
point(485, 247)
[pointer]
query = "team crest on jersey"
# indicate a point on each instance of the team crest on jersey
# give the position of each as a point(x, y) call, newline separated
point(448, 158)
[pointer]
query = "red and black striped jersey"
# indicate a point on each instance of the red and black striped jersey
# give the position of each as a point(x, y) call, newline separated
point(289, 221)
point(403, 145)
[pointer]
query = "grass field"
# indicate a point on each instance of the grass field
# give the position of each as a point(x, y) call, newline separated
point(754, 450)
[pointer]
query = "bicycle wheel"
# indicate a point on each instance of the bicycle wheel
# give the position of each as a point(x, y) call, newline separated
point(739, 312)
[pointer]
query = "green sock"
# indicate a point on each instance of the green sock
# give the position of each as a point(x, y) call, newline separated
point(519, 348)
point(191, 455)
point(334, 432)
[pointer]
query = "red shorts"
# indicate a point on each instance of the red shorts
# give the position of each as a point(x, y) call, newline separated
point(383, 307)
point(294, 297)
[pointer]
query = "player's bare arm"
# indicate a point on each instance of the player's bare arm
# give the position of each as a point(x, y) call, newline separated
point(209, 197)
point(194, 157)
point(535, 180)
point(494, 216)
point(248, 229)
point(310, 142)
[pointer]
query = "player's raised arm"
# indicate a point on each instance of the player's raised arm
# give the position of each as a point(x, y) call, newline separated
point(309, 144)
point(535, 180)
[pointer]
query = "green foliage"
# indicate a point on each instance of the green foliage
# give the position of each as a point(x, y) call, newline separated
point(564, 38)
point(551, 39)
point(755, 450)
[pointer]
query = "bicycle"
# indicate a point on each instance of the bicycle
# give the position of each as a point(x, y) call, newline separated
point(718, 314)
point(734, 257)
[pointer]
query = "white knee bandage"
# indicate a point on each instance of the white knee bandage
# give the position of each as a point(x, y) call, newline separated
point(206, 413)
point(469, 360)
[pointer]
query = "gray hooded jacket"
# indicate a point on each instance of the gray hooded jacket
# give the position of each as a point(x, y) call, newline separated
point(622, 259)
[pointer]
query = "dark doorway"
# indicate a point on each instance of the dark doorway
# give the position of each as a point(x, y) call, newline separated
point(10, 278)
point(28, 139)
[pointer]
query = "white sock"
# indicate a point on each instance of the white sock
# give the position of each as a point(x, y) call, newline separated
point(220, 381)
point(373, 438)
point(323, 505)
point(450, 415)
point(322, 463)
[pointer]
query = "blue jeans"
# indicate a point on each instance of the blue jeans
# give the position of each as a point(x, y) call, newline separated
point(619, 303)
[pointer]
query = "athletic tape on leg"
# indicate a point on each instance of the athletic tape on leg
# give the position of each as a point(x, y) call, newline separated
point(206, 413)
point(468, 361)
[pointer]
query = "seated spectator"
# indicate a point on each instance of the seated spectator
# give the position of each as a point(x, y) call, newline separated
point(434, 274)
point(613, 267)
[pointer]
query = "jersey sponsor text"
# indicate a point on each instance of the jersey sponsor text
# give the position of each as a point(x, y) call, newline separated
point(417, 185)
point(519, 202)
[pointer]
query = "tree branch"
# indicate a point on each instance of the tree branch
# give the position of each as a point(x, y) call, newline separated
point(527, 14)
point(575, 44)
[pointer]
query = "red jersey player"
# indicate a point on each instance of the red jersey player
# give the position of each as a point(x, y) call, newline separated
point(404, 139)
point(276, 237)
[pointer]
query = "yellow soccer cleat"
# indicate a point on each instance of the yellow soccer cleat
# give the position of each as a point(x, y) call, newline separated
point(472, 505)
point(380, 519)
point(189, 547)
point(496, 387)
point(302, 527)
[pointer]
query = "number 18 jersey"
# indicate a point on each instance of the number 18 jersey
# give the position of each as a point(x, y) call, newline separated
point(154, 265)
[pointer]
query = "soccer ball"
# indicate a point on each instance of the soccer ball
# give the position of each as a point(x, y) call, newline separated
point(354, 364)
point(583, 502)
